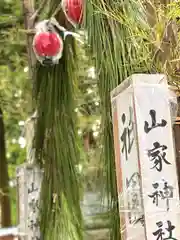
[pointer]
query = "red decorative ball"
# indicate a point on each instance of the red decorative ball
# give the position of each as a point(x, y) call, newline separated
point(73, 10)
point(47, 44)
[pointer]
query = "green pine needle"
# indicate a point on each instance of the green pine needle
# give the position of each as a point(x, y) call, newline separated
point(56, 148)
point(118, 52)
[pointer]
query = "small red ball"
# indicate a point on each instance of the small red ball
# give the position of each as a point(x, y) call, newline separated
point(74, 10)
point(47, 44)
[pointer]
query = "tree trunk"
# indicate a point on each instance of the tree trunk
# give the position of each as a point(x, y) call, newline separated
point(28, 10)
point(4, 179)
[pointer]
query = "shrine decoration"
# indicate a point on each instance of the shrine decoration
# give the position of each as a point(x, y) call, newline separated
point(73, 9)
point(48, 44)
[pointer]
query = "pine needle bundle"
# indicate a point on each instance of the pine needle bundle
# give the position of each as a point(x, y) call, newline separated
point(56, 148)
point(114, 29)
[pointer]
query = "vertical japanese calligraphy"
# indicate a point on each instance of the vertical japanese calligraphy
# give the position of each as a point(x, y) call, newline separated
point(148, 127)
point(34, 184)
point(157, 158)
point(162, 193)
point(29, 184)
point(127, 164)
point(127, 137)
point(164, 232)
point(134, 198)
point(157, 155)
point(32, 188)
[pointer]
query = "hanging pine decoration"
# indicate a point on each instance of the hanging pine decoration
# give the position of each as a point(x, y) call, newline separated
point(55, 139)
point(47, 43)
point(73, 10)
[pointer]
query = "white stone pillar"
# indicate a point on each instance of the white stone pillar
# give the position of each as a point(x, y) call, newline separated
point(29, 184)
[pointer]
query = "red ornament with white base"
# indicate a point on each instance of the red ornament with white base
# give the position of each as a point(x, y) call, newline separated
point(48, 45)
point(73, 10)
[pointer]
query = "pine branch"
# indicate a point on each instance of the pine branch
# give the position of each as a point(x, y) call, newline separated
point(55, 143)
